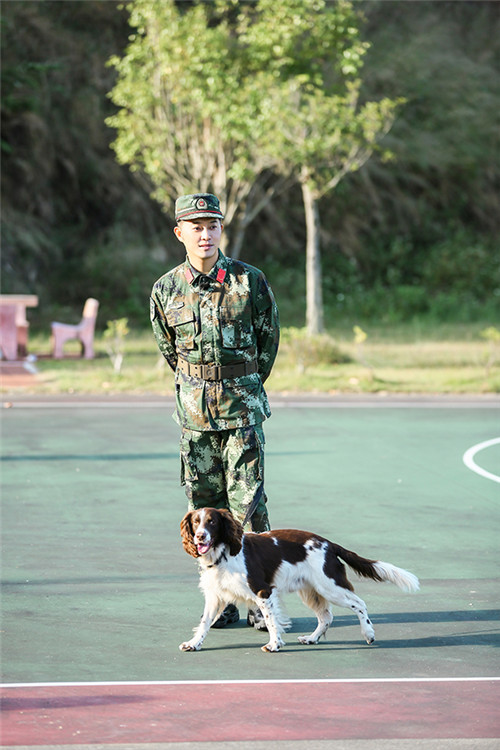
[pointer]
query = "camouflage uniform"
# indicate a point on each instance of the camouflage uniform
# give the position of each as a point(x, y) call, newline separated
point(226, 317)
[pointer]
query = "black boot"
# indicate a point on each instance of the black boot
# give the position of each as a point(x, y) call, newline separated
point(255, 619)
point(228, 617)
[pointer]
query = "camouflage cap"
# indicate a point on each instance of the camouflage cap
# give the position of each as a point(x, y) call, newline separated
point(197, 206)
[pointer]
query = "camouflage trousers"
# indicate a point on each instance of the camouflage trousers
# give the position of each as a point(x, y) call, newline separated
point(225, 469)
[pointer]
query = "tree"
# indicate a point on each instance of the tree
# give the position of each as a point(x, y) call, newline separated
point(318, 128)
point(243, 98)
point(188, 115)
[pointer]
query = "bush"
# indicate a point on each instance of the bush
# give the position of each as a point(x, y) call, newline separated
point(304, 351)
point(463, 263)
point(121, 272)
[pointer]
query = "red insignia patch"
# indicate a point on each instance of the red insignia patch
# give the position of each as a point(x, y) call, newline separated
point(221, 275)
point(189, 275)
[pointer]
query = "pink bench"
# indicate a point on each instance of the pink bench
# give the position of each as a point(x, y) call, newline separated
point(83, 332)
point(14, 325)
point(8, 332)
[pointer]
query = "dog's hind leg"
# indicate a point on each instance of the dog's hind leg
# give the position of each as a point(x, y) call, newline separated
point(321, 609)
point(344, 598)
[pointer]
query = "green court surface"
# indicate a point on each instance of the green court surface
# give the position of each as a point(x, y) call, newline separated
point(97, 588)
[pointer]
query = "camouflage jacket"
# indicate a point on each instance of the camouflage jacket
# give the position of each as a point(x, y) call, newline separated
point(228, 315)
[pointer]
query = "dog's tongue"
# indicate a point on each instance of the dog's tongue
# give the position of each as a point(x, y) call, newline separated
point(203, 548)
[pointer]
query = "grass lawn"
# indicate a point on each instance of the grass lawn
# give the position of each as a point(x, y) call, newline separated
point(407, 359)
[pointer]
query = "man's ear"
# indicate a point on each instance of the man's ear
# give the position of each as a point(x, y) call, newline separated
point(177, 232)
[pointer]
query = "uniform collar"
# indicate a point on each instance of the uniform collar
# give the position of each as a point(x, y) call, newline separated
point(217, 272)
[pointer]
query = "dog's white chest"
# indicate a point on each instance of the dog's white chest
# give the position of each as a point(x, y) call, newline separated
point(229, 577)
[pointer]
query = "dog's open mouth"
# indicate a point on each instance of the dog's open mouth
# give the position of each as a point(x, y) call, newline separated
point(203, 547)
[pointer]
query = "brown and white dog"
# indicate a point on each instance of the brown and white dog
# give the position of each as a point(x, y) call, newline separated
point(257, 568)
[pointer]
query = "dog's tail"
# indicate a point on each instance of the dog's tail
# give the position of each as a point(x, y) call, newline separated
point(378, 570)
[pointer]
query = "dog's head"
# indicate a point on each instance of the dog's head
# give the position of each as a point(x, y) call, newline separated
point(204, 529)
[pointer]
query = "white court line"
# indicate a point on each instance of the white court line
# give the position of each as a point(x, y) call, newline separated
point(468, 459)
point(192, 683)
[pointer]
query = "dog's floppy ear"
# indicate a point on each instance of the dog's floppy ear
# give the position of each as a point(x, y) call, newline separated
point(187, 535)
point(232, 531)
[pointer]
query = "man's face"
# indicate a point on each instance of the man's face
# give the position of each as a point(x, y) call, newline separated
point(201, 238)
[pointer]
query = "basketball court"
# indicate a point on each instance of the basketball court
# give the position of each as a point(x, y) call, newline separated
point(98, 592)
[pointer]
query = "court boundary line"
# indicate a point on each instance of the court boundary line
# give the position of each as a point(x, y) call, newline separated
point(468, 459)
point(191, 683)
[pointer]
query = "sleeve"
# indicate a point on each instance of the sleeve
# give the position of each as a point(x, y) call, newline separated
point(267, 327)
point(165, 335)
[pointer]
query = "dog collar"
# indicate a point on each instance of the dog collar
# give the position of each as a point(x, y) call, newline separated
point(221, 557)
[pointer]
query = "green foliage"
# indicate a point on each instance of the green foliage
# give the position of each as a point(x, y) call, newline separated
point(464, 263)
point(397, 304)
point(308, 57)
point(492, 335)
point(120, 273)
point(309, 60)
point(305, 351)
point(210, 99)
point(188, 109)
point(360, 336)
point(415, 238)
point(444, 59)
point(114, 341)
point(420, 357)
point(61, 187)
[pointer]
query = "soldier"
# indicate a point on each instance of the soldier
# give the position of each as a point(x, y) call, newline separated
point(216, 323)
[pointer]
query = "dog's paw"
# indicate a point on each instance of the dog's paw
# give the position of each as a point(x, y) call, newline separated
point(270, 647)
point(369, 635)
point(190, 646)
point(306, 640)
point(273, 645)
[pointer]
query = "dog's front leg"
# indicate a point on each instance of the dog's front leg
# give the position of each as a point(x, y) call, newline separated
point(214, 607)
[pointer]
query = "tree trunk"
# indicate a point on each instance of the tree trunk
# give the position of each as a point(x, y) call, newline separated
point(314, 295)
point(224, 241)
point(237, 241)
point(231, 244)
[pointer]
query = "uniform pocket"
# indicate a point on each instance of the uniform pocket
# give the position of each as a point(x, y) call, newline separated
point(236, 329)
point(260, 443)
point(189, 472)
point(184, 322)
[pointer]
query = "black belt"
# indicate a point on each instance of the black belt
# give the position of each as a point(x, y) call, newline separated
point(217, 372)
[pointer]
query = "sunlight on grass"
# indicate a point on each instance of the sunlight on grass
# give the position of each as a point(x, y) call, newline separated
point(389, 364)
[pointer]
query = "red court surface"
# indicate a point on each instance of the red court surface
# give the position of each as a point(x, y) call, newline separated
point(229, 711)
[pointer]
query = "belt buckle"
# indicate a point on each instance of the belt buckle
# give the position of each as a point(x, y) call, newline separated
point(211, 372)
